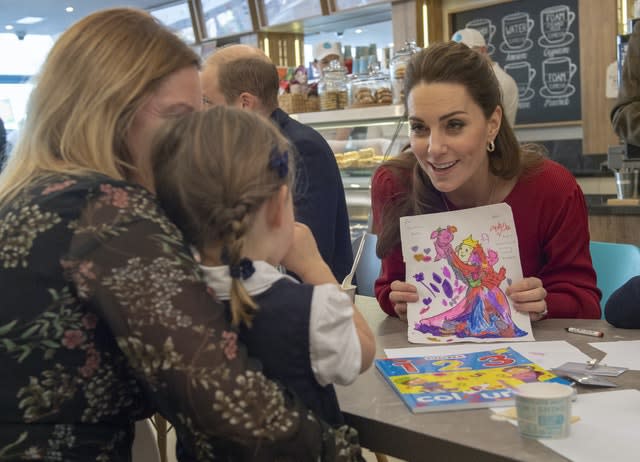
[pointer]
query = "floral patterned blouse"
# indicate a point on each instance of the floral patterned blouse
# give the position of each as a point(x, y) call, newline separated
point(105, 320)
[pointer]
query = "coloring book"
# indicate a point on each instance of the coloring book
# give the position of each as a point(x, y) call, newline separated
point(461, 381)
point(461, 263)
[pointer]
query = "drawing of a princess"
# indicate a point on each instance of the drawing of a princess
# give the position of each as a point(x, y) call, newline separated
point(484, 311)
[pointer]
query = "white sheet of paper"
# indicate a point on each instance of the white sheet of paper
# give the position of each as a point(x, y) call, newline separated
point(608, 428)
point(625, 353)
point(547, 354)
point(461, 262)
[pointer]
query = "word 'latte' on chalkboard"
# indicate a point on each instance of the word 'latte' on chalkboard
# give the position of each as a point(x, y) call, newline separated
point(536, 43)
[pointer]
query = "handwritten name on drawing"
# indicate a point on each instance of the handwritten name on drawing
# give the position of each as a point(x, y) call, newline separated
point(500, 228)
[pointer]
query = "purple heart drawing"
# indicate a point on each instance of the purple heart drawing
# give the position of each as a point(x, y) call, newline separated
point(426, 301)
point(509, 281)
point(415, 248)
point(427, 251)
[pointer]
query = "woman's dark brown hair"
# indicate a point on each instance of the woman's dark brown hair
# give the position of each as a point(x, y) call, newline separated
point(454, 63)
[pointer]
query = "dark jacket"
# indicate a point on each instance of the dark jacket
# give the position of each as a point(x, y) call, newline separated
point(623, 306)
point(319, 195)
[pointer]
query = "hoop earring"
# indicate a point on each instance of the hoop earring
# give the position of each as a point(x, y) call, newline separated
point(491, 146)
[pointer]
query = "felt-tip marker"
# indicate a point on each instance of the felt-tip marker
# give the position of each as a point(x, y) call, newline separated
point(578, 330)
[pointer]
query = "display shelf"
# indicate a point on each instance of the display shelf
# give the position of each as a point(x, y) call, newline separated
point(365, 115)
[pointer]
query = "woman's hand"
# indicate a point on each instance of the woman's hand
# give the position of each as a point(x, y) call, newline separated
point(401, 293)
point(528, 295)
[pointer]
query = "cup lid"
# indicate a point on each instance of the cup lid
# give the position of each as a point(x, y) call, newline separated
point(544, 390)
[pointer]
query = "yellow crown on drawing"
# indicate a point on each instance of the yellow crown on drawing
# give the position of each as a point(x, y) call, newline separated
point(470, 241)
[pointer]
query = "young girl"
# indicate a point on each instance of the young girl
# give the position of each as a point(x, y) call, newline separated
point(224, 176)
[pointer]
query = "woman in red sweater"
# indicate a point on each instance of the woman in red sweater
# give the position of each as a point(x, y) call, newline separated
point(463, 153)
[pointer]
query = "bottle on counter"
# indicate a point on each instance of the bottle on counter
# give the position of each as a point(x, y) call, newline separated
point(333, 88)
point(348, 59)
point(398, 66)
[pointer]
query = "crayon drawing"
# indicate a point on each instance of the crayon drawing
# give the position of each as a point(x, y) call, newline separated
point(461, 262)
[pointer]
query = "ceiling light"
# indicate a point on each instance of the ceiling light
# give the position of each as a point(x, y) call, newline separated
point(69, 9)
point(8, 27)
point(358, 31)
point(29, 20)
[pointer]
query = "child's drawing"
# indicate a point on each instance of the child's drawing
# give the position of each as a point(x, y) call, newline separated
point(462, 287)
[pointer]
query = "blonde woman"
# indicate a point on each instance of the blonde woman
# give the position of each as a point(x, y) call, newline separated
point(105, 318)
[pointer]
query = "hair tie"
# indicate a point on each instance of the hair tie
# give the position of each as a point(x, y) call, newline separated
point(279, 162)
point(243, 270)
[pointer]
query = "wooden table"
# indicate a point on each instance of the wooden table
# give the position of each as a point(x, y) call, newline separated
point(387, 426)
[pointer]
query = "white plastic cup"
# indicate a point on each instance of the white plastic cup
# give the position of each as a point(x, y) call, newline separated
point(544, 409)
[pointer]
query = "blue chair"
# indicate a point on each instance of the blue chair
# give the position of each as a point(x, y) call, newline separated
point(369, 266)
point(615, 264)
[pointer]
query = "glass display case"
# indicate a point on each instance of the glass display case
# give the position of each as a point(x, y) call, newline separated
point(361, 139)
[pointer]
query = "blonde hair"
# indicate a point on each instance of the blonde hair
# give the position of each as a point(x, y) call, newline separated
point(213, 171)
point(95, 78)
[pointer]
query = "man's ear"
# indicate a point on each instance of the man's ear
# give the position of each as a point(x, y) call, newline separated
point(248, 101)
point(277, 205)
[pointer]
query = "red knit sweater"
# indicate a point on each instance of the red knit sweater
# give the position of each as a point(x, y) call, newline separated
point(550, 215)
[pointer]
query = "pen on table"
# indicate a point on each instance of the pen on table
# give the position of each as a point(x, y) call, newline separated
point(578, 330)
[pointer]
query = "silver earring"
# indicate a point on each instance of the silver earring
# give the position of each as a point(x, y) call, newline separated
point(491, 146)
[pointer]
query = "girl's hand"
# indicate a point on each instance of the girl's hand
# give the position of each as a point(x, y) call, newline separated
point(401, 293)
point(304, 259)
point(528, 295)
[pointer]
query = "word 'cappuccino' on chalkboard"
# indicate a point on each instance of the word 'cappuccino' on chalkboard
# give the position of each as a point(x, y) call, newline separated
point(537, 44)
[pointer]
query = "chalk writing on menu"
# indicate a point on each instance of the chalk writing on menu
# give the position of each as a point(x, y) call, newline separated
point(283, 11)
point(537, 43)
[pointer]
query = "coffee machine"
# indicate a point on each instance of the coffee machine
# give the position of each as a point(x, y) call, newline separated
point(623, 156)
point(624, 160)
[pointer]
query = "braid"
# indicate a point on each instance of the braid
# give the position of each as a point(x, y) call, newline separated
point(242, 305)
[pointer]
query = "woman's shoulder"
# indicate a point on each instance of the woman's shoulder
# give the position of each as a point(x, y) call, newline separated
point(70, 195)
point(549, 176)
point(391, 177)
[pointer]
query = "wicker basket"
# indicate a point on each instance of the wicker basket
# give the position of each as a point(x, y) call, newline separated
point(292, 103)
point(312, 104)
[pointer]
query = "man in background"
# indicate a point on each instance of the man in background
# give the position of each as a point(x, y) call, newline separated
point(244, 77)
point(324, 53)
point(474, 40)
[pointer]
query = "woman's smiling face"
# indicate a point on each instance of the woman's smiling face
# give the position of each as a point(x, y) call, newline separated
point(449, 135)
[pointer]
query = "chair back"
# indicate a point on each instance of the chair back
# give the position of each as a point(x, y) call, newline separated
point(145, 444)
point(614, 264)
point(368, 268)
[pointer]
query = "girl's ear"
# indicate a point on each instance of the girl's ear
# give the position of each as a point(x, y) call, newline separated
point(276, 206)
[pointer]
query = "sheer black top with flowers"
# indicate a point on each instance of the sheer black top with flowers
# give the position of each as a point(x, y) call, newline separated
point(105, 320)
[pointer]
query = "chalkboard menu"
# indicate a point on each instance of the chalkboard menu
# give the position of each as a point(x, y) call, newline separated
point(538, 44)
